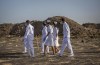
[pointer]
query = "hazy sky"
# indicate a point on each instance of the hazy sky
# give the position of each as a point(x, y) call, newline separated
point(15, 11)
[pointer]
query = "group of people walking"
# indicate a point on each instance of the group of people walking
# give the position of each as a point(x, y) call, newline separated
point(49, 38)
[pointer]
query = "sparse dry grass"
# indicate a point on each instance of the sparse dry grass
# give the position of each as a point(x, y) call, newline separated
point(86, 53)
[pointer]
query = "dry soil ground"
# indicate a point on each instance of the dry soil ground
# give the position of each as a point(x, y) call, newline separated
point(87, 52)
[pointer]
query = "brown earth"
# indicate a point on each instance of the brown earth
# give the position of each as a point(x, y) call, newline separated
point(91, 25)
point(87, 52)
point(85, 41)
point(77, 30)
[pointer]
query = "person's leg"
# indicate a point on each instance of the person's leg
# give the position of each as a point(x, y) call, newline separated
point(70, 47)
point(31, 48)
point(47, 49)
point(53, 49)
point(42, 47)
point(28, 48)
point(45, 46)
point(62, 49)
point(25, 48)
point(56, 49)
point(56, 45)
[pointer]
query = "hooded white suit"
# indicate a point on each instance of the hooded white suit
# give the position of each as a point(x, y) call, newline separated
point(44, 34)
point(66, 39)
point(28, 39)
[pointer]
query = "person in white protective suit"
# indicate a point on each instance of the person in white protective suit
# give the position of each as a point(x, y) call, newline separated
point(55, 36)
point(66, 39)
point(44, 33)
point(28, 38)
point(49, 41)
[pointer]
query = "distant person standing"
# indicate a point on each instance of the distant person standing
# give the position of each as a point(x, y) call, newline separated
point(44, 34)
point(29, 37)
point(49, 41)
point(55, 36)
point(66, 39)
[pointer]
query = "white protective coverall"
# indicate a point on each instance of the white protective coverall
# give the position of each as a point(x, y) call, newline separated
point(29, 37)
point(49, 41)
point(55, 36)
point(66, 39)
point(44, 34)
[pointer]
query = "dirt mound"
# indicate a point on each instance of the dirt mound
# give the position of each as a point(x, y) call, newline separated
point(92, 25)
point(93, 29)
point(77, 30)
point(19, 29)
point(5, 29)
point(90, 30)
